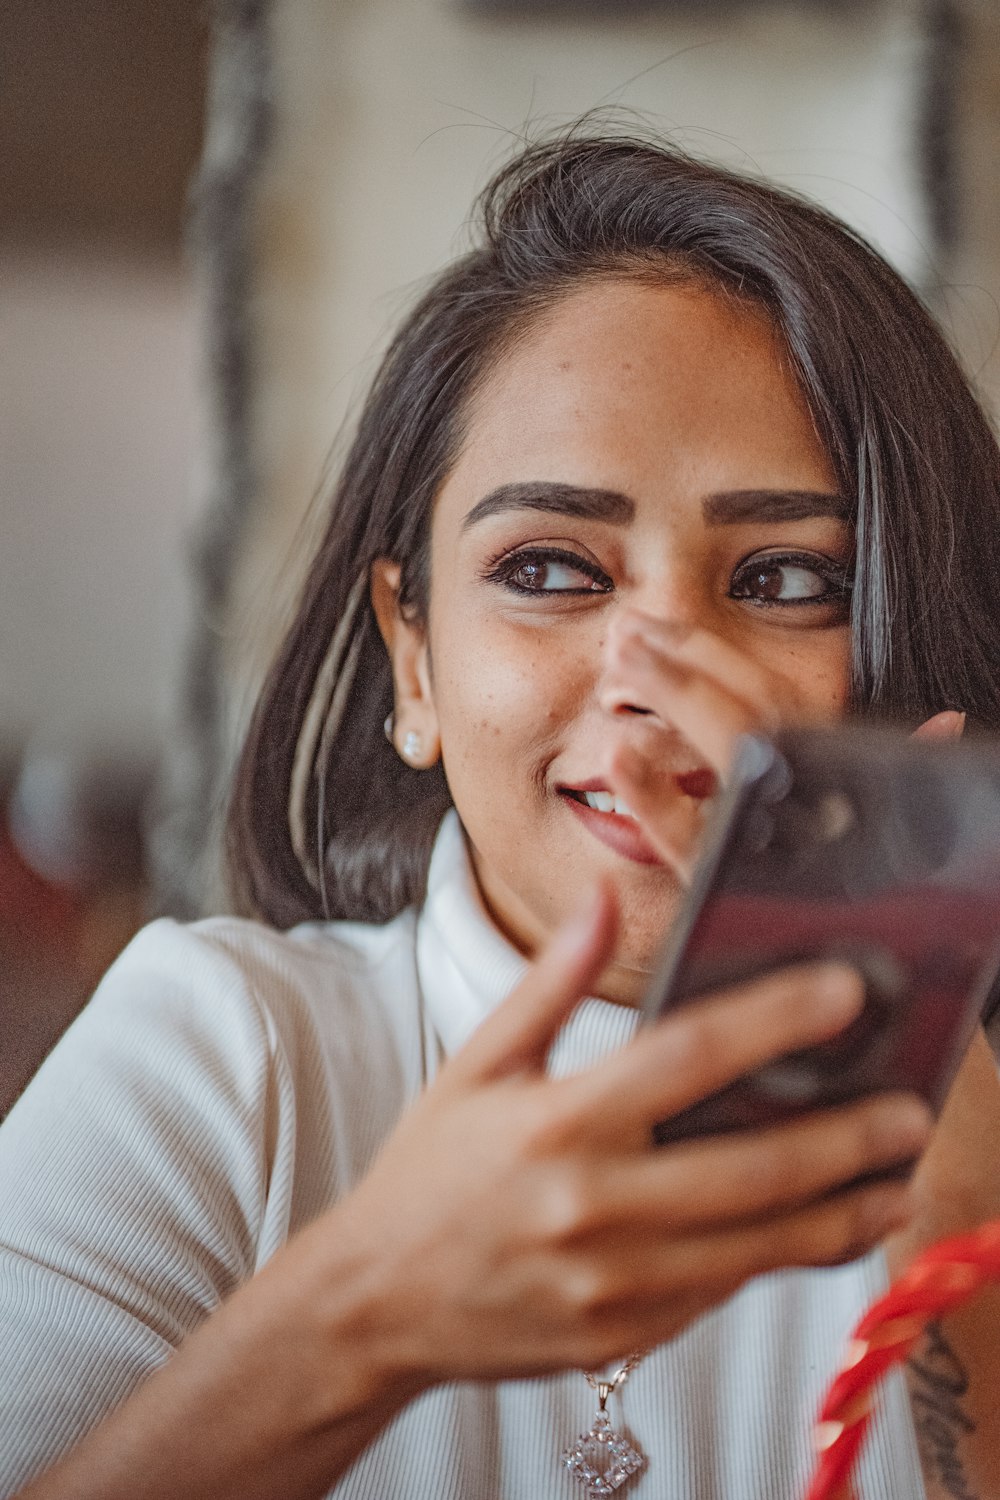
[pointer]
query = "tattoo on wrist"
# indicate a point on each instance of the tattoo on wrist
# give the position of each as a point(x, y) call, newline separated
point(938, 1382)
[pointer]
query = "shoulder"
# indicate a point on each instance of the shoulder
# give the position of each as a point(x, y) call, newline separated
point(331, 1010)
point(237, 1021)
point(215, 1076)
point(223, 1087)
point(247, 954)
point(244, 987)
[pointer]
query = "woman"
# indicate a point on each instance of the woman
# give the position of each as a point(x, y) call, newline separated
point(669, 456)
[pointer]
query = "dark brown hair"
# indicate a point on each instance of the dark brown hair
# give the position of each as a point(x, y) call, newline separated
point(325, 819)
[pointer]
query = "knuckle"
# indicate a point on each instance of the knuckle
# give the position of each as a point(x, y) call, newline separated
point(570, 1206)
point(590, 1290)
point(547, 1127)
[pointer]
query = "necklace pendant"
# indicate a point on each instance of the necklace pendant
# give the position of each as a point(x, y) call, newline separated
point(602, 1459)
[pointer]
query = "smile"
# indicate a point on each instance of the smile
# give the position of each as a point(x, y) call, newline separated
point(611, 821)
point(602, 802)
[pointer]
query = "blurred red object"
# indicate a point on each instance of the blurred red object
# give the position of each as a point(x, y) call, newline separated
point(34, 909)
point(73, 891)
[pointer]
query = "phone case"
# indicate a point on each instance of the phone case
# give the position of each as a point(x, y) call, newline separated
point(859, 843)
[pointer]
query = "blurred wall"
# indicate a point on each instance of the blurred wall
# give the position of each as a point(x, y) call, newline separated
point(100, 126)
point(970, 301)
point(96, 433)
point(100, 123)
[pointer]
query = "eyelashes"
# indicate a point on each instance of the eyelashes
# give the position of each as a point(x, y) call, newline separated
point(759, 580)
point(548, 570)
point(781, 580)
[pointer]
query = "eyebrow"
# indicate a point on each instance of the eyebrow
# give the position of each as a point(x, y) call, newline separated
point(583, 504)
point(730, 507)
point(725, 508)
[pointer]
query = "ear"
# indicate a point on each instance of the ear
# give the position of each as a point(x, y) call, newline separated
point(415, 729)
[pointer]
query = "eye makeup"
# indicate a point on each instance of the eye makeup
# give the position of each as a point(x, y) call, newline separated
point(531, 571)
point(769, 580)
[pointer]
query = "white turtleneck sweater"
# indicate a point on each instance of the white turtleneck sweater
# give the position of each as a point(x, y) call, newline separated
point(226, 1084)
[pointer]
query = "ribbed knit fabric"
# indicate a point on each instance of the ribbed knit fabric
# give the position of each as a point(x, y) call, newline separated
point(224, 1086)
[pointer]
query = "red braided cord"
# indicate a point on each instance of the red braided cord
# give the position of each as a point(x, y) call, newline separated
point(941, 1278)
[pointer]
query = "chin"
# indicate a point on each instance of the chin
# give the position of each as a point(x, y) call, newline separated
point(646, 918)
point(637, 953)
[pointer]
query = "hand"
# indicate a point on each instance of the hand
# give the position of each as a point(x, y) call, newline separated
point(706, 690)
point(515, 1224)
point(695, 685)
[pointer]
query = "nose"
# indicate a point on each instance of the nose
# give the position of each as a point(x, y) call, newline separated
point(628, 671)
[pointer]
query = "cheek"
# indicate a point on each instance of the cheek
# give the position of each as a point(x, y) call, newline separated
point(821, 672)
point(505, 697)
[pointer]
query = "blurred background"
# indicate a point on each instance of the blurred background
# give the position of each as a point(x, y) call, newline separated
point(212, 216)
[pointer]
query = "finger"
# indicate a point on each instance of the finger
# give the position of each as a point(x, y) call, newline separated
point(696, 650)
point(709, 1043)
point(643, 1272)
point(520, 1031)
point(756, 1173)
point(948, 725)
point(653, 661)
point(709, 717)
point(828, 1233)
point(672, 821)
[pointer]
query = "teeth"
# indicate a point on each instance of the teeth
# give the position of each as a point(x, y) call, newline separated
point(601, 801)
point(606, 802)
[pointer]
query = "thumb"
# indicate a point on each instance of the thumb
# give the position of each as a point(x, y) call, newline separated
point(943, 726)
point(520, 1031)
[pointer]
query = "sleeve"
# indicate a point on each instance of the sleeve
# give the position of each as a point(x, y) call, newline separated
point(133, 1180)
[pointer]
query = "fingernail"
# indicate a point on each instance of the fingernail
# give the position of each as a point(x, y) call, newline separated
point(838, 991)
point(575, 932)
point(906, 1127)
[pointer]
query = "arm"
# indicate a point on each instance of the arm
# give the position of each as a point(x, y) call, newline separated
point(487, 1241)
point(953, 1375)
point(266, 1399)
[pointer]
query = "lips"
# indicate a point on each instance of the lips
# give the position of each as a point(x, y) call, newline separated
point(617, 831)
point(699, 783)
point(610, 820)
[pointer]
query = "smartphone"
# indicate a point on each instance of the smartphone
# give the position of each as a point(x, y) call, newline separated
point(858, 843)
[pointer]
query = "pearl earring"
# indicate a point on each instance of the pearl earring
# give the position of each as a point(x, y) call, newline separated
point(412, 745)
point(390, 726)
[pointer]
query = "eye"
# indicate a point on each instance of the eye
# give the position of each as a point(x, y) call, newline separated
point(548, 570)
point(791, 579)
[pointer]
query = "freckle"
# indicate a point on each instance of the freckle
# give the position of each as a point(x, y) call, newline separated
point(564, 364)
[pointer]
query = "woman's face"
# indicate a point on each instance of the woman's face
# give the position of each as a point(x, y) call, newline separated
point(645, 449)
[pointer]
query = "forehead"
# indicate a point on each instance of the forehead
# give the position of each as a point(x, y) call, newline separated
point(622, 378)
